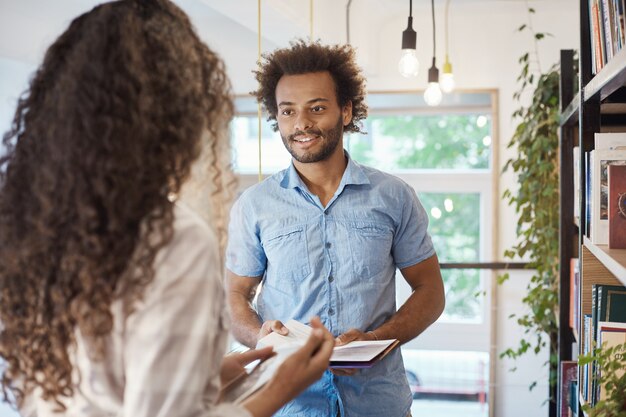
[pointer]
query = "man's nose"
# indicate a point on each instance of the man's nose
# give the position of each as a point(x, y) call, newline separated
point(303, 122)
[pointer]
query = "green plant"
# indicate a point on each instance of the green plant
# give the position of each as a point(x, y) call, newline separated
point(610, 364)
point(536, 201)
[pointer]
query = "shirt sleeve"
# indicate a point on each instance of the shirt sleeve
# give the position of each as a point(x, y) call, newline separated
point(244, 254)
point(412, 243)
point(174, 340)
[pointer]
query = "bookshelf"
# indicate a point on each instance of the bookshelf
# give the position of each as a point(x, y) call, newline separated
point(599, 105)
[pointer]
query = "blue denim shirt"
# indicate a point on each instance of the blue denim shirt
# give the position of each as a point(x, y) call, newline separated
point(337, 262)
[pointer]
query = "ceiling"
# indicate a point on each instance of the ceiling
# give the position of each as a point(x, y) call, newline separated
point(28, 26)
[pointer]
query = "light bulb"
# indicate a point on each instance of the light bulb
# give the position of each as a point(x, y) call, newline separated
point(409, 65)
point(447, 82)
point(447, 78)
point(433, 95)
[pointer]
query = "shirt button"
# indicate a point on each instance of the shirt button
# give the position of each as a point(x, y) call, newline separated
point(331, 278)
point(331, 311)
point(328, 245)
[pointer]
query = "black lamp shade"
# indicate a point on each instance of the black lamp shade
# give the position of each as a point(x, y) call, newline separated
point(409, 36)
point(433, 73)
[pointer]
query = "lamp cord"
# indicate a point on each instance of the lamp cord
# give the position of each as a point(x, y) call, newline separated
point(259, 112)
point(311, 19)
point(446, 24)
point(432, 4)
point(348, 21)
point(410, 8)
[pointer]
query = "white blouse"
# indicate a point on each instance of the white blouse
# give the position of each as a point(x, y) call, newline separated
point(162, 360)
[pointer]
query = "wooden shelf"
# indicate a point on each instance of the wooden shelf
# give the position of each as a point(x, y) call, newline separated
point(609, 79)
point(613, 259)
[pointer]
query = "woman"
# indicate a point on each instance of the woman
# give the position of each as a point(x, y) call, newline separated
point(111, 299)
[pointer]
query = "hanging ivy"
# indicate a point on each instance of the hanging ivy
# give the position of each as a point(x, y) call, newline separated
point(536, 201)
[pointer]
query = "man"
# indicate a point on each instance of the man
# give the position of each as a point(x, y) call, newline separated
point(326, 235)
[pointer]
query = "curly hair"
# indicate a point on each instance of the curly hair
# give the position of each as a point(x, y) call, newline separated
point(107, 131)
point(305, 57)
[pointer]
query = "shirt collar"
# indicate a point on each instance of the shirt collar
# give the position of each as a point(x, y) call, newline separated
point(353, 174)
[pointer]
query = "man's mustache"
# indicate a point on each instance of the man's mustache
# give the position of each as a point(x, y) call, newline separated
point(308, 132)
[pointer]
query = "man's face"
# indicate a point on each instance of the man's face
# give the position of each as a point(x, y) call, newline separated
point(309, 118)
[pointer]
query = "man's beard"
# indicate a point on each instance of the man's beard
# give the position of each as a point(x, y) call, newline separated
point(330, 140)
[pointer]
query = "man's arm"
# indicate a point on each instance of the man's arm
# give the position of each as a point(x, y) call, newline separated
point(420, 310)
point(246, 326)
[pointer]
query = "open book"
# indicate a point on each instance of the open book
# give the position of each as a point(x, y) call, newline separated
point(357, 354)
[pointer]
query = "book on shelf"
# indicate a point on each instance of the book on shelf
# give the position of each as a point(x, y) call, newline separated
point(608, 303)
point(614, 141)
point(568, 373)
point(573, 398)
point(610, 334)
point(596, 35)
point(600, 159)
point(576, 169)
point(609, 33)
point(586, 371)
point(574, 294)
point(356, 354)
point(606, 24)
point(587, 213)
point(617, 206)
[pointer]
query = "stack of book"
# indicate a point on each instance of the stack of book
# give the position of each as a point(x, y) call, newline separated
point(606, 20)
point(605, 327)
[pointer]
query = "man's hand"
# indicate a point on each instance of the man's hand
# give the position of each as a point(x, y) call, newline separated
point(345, 338)
point(233, 365)
point(272, 326)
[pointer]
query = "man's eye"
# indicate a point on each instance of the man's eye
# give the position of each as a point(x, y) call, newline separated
point(286, 112)
point(317, 108)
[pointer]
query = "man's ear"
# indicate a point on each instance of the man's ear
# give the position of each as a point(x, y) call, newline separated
point(346, 112)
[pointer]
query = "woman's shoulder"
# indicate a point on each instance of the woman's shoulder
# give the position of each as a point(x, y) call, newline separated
point(193, 245)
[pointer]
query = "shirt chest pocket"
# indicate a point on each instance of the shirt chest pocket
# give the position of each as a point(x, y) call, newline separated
point(371, 249)
point(287, 255)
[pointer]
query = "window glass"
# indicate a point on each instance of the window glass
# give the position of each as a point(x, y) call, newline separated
point(408, 141)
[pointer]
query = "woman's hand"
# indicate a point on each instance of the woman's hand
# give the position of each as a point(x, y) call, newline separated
point(307, 364)
point(295, 374)
point(233, 365)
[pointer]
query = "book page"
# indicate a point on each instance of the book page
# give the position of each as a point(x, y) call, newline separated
point(241, 388)
point(357, 351)
point(360, 350)
point(298, 335)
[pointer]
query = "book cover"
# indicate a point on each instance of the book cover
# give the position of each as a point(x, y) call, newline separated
point(599, 163)
point(586, 340)
point(607, 26)
point(568, 373)
point(611, 140)
point(574, 317)
point(608, 303)
point(617, 206)
point(611, 304)
point(610, 334)
point(576, 169)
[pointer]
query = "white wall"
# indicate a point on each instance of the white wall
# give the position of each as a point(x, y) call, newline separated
point(484, 48)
